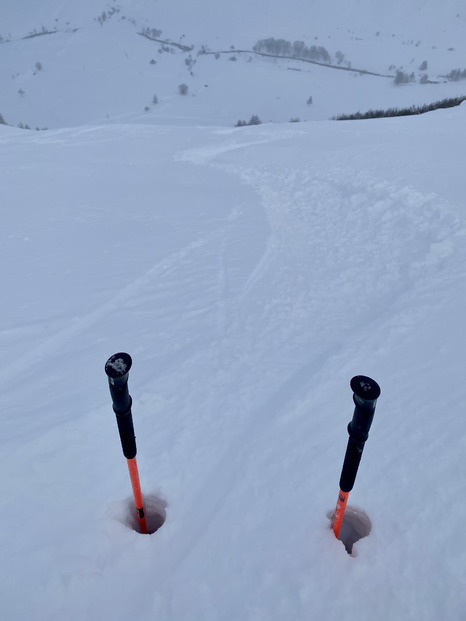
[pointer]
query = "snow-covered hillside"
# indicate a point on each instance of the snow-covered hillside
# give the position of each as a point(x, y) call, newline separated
point(69, 63)
point(250, 272)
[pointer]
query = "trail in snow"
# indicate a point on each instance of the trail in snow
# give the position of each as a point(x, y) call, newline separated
point(339, 237)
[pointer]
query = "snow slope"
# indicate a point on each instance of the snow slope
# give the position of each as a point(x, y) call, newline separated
point(68, 64)
point(250, 273)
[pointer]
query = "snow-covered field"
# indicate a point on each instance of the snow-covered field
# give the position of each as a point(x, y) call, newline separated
point(250, 273)
point(62, 64)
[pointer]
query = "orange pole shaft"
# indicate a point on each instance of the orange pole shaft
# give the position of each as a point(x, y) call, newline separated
point(340, 511)
point(134, 476)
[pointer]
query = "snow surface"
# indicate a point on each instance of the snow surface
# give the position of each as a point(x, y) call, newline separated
point(250, 273)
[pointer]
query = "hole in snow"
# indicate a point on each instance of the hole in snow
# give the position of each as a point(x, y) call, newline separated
point(356, 525)
point(154, 510)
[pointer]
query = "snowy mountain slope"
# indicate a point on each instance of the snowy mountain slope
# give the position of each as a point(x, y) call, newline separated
point(65, 64)
point(250, 273)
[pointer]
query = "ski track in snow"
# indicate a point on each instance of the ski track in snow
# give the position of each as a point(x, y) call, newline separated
point(50, 345)
point(367, 216)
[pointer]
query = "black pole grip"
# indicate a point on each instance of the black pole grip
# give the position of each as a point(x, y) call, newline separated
point(366, 391)
point(117, 369)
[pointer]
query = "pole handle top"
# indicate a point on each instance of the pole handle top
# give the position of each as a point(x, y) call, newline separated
point(118, 367)
point(366, 391)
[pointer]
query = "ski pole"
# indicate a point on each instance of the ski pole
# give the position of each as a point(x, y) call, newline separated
point(117, 369)
point(366, 391)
